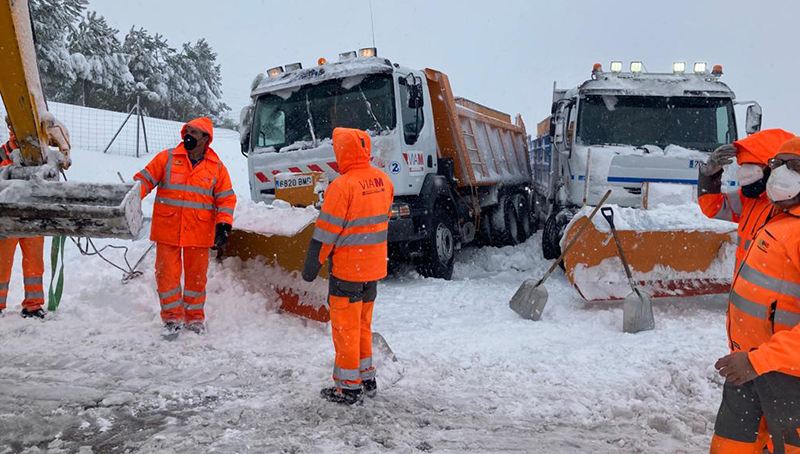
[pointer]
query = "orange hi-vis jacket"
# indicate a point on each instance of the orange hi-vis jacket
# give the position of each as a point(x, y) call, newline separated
point(6, 149)
point(733, 206)
point(353, 224)
point(190, 200)
point(764, 303)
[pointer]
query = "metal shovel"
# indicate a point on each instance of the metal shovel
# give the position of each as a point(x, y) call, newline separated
point(531, 297)
point(637, 311)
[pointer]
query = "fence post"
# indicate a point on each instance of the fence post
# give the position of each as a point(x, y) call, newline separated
point(144, 131)
point(138, 117)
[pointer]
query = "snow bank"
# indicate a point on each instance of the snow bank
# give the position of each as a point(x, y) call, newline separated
point(686, 217)
point(279, 218)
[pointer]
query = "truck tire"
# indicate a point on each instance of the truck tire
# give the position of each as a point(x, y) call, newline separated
point(439, 250)
point(505, 223)
point(523, 217)
point(551, 237)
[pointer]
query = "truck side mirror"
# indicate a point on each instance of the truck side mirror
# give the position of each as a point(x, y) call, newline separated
point(245, 125)
point(415, 98)
point(753, 119)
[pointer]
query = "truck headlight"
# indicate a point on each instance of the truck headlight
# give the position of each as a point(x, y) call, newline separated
point(616, 66)
point(679, 67)
point(275, 72)
point(400, 210)
point(368, 52)
point(636, 67)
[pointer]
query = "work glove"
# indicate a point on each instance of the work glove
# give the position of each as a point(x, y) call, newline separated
point(720, 157)
point(221, 237)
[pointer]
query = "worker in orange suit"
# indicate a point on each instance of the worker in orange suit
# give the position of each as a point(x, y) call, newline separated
point(193, 211)
point(761, 395)
point(352, 230)
point(748, 206)
point(32, 255)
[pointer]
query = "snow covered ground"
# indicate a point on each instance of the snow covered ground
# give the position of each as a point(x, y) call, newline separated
point(472, 375)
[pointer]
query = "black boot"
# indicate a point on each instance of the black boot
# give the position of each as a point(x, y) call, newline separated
point(171, 330)
point(343, 396)
point(36, 313)
point(197, 327)
point(370, 387)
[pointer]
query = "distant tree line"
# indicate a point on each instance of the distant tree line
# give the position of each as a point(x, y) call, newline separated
point(83, 61)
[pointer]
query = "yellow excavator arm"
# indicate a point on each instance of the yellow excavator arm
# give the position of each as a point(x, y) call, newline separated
point(32, 200)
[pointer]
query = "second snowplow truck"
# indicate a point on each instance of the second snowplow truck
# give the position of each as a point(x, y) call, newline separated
point(641, 135)
point(461, 170)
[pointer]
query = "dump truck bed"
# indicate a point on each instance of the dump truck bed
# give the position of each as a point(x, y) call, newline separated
point(486, 147)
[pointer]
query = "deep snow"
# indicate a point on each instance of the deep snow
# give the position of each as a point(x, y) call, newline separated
point(97, 378)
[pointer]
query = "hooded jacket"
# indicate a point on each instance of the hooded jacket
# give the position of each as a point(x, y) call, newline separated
point(353, 225)
point(733, 206)
point(190, 200)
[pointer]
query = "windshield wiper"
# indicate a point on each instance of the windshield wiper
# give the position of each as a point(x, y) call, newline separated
point(369, 110)
point(310, 122)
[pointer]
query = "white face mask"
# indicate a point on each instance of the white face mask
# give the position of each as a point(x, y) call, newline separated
point(783, 184)
point(749, 174)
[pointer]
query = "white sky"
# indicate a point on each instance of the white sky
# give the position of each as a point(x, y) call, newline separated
point(502, 53)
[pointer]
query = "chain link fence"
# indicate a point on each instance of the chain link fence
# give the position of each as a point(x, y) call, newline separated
point(94, 130)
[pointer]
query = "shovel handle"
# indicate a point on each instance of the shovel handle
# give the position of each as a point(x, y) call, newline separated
point(574, 239)
point(608, 213)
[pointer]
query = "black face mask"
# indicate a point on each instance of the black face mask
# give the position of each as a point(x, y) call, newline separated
point(189, 142)
point(754, 190)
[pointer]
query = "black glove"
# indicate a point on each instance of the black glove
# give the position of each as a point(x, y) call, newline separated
point(719, 158)
point(221, 236)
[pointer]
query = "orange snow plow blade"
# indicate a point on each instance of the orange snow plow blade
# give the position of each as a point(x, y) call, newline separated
point(670, 263)
point(282, 251)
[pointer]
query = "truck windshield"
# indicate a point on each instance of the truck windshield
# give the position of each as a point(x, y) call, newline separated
point(701, 123)
point(312, 111)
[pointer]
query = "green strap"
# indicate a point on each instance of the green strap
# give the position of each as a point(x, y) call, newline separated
point(56, 250)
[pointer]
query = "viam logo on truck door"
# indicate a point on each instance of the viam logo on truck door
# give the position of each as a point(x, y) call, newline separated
point(415, 160)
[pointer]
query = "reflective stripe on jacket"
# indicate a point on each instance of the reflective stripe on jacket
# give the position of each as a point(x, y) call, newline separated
point(764, 303)
point(190, 201)
point(353, 224)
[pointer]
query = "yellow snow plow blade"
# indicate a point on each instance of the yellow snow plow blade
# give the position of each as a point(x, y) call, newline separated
point(280, 245)
point(32, 201)
point(664, 263)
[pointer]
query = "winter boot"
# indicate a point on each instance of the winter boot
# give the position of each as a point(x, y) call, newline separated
point(171, 330)
point(370, 387)
point(343, 396)
point(36, 313)
point(197, 327)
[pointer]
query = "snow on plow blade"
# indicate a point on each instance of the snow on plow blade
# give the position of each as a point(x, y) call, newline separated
point(277, 236)
point(675, 261)
point(29, 208)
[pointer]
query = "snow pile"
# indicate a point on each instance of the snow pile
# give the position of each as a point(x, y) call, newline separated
point(685, 217)
point(657, 85)
point(279, 218)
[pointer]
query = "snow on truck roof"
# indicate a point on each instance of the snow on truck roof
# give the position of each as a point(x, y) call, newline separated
point(328, 71)
point(653, 84)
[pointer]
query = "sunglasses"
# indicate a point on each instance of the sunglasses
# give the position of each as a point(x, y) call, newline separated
point(792, 164)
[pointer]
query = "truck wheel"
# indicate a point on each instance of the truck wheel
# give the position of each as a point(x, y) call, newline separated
point(505, 224)
point(551, 237)
point(523, 217)
point(439, 250)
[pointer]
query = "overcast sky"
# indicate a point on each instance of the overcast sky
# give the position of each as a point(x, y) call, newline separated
point(502, 53)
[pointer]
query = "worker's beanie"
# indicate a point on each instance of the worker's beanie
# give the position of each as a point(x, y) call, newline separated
point(791, 146)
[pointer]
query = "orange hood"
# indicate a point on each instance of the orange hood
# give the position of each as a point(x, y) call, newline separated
point(203, 124)
point(791, 146)
point(761, 146)
point(352, 148)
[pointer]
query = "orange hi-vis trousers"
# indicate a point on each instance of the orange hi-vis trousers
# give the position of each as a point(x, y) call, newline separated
point(179, 304)
point(32, 270)
point(351, 305)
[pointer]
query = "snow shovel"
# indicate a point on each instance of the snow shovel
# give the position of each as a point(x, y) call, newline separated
point(531, 297)
point(379, 343)
point(637, 311)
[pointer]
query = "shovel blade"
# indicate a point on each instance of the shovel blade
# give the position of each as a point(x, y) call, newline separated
point(379, 343)
point(529, 301)
point(637, 313)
